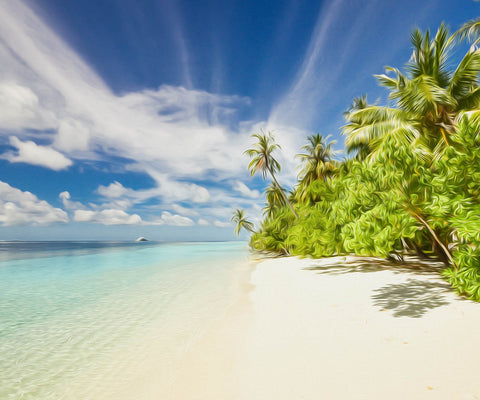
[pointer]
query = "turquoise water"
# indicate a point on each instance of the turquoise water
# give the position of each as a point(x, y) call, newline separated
point(76, 318)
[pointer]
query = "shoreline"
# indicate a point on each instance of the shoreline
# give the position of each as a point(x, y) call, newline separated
point(338, 328)
point(202, 369)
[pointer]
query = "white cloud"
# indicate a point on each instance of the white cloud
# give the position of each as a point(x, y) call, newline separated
point(184, 211)
point(203, 222)
point(222, 224)
point(31, 153)
point(24, 208)
point(119, 204)
point(107, 217)
point(176, 135)
point(183, 133)
point(69, 204)
point(73, 135)
point(171, 219)
point(179, 136)
point(21, 108)
point(167, 189)
point(171, 190)
point(245, 190)
point(115, 211)
point(115, 189)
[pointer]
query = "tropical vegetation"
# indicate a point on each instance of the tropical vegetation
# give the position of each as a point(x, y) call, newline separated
point(412, 180)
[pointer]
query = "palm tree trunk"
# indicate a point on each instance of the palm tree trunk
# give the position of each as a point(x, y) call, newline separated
point(438, 242)
point(283, 194)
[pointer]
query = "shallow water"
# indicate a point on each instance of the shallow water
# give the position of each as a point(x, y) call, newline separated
point(76, 318)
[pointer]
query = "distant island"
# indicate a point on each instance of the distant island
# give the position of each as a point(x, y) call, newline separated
point(141, 239)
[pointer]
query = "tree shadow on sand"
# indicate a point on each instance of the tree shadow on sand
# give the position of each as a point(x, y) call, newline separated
point(412, 298)
point(346, 265)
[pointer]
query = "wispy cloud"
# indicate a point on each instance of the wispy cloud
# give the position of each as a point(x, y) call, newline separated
point(177, 28)
point(342, 55)
point(179, 136)
point(302, 97)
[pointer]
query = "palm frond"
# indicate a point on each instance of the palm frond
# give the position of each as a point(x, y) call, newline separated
point(317, 158)
point(262, 155)
point(469, 31)
point(429, 57)
point(393, 83)
point(466, 76)
point(471, 101)
point(422, 95)
point(241, 221)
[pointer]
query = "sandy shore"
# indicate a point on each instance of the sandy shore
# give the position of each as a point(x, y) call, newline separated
point(339, 328)
point(353, 328)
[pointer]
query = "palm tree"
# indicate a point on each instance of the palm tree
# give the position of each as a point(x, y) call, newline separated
point(361, 148)
point(241, 221)
point(317, 160)
point(428, 98)
point(263, 161)
point(275, 199)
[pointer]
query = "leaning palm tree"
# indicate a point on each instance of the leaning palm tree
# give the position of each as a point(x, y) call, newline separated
point(263, 161)
point(241, 221)
point(427, 99)
point(317, 159)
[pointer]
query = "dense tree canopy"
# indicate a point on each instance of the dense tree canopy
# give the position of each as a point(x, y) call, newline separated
point(413, 183)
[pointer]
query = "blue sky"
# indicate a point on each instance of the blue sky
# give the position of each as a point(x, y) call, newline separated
point(129, 118)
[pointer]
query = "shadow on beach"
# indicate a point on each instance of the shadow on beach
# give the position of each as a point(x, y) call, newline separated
point(412, 298)
point(346, 265)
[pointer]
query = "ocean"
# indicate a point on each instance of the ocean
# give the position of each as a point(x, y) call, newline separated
point(78, 319)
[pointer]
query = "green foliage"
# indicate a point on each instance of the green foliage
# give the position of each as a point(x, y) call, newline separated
point(314, 235)
point(466, 280)
point(414, 184)
point(273, 233)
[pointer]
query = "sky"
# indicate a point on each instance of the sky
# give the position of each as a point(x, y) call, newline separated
point(127, 118)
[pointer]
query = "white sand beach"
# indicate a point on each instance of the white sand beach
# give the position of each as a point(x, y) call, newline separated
point(339, 328)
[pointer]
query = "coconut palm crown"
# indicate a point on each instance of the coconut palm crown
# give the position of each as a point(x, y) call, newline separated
point(427, 99)
point(317, 159)
point(241, 222)
point(275, 199)
point(263, 161)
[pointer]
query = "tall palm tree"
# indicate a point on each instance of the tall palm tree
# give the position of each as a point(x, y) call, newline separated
point(241, 222)
point(427, 99)
point(263, 161)
point(317, 159)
